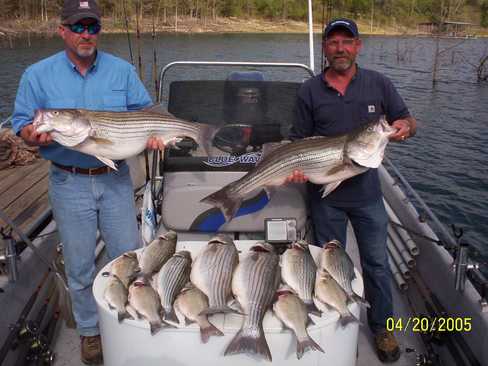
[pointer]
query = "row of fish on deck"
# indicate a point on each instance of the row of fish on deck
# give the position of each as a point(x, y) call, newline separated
point(165, 288)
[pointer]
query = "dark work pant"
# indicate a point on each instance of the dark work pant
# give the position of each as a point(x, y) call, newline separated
point(370, 225)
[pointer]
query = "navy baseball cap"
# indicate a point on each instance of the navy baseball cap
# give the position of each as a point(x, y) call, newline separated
point(75, 10)
point(343, 23)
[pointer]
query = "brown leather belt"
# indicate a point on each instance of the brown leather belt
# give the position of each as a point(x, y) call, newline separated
point(86, 171)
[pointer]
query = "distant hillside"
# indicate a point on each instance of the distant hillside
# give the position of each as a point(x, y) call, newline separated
point(373, 16)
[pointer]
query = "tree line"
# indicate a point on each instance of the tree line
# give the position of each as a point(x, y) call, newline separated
point(402, 12)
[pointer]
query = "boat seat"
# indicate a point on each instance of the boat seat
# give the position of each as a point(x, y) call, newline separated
point(240, 99)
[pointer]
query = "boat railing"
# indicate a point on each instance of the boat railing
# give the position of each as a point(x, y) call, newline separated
point(465, 267)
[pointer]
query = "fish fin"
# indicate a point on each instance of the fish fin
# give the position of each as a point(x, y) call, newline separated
point(168, 325)
point(268, 148)
point(234, 304)
point(310, 322)
point(312, 309)
point(208, 331)
point(206, 136)
point(307, 345)
point(356, 298)
point(221, 199)
point(348, 317)
point(328, 188)
point(170, 316)
point(121, 315)
point(321, 306)
point(159, 109)
point(155, 327)
point(110, 306)
point(101, 140)
point(133, 312)
point(246, 341)
point(107, 162)
point(221, 309)
point(181, 317)
point(270, 190)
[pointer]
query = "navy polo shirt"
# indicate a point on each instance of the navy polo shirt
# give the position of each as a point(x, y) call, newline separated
point(321, 110)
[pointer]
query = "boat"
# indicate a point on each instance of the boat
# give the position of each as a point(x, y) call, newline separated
point(440, 293)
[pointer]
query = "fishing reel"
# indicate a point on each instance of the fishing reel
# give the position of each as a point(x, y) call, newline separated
point(40, 352)
point(424, 359)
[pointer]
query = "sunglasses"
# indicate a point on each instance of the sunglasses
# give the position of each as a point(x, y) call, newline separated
point(78, 28)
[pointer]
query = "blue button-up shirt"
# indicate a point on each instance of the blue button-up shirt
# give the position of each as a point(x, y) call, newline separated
point(111, 84)
point(322, 111)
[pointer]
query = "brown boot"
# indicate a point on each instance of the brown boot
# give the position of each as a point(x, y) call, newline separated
point(91, 350)
point(386, 346)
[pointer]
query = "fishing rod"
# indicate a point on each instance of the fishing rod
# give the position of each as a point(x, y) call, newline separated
point(32, 329)
point(416, 233)
point(432, 357)
point(31, 245)
point(16, 328)
point(456, 345)
point(39, 351)
point(127, 31)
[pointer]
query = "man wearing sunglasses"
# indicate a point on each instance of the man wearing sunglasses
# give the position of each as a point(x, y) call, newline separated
point(84, 194)
point(340, 99)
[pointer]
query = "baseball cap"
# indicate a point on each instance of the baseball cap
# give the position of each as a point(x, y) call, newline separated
point(75, 10)
point(343, 23)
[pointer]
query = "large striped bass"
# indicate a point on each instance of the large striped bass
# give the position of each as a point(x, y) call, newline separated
point(298, 270)
point(254, 284)
point(324, 160)
point(172, 277)
point(212, 272)
point(117, 135)
point(339, 265)
point(293, 313)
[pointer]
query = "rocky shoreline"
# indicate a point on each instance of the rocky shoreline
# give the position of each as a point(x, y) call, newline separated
point(18, 28)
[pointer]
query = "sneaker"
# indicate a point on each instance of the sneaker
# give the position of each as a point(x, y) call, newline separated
point(386, 346)
point(91, 350)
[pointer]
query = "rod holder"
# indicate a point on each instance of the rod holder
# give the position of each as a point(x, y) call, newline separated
point(11, 260)
point(462, 265)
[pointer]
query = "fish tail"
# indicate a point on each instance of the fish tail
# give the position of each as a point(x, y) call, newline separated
point(247, 342)
point(170, 316)
point(348, 317)
point(356, 298)
point(219, 309)
point(121, 315)
point(155, 327)
point(227, 204)
point(209, 330)
point(307, 345)
point(312, 309)
point(206, 136)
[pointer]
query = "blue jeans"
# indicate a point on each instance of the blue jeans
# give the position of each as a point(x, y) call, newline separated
point(370, 225)
point(82, 204)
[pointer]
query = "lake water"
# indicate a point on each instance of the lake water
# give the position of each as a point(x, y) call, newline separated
point(447, 162)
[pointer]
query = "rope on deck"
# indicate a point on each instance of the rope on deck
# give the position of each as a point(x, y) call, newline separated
point(6, 121)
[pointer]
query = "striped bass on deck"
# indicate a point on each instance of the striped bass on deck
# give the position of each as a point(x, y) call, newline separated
point(118, 135)
point(254, 284)
point(324, 160)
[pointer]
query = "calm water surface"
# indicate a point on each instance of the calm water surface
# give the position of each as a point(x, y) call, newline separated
point(446, 162)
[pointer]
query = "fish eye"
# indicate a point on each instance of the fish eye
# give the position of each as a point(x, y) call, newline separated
point(370, 129)
point(56, 113)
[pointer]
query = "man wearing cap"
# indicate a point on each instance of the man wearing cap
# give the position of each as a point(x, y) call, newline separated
point(84, 194)
point(343, 97)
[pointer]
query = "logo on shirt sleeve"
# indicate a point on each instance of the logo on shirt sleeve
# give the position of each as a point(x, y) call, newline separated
point(371, 109)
